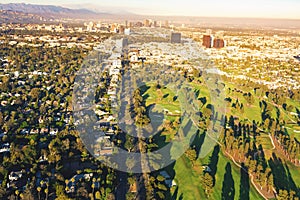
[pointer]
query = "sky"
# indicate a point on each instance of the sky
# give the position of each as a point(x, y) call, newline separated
point(209, 8)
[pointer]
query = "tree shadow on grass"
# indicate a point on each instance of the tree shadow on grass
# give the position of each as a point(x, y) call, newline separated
point(228, 190)
point(283, 179)
point(292, 183)
point(198, 142)
point(174, 197)
point(213, 165)
point(245, 183)
point(181, 197)
point(280, 177)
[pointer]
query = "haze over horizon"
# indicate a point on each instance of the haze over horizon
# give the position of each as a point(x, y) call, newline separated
point(288, 9)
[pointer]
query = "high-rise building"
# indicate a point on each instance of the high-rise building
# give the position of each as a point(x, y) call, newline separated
point(113, 28)
point(147, 23)
point(121, 29)
point(127, 31)
point(166, 23)
point(207, 41)
point(176, 38)
point(139, 24)
point(124, 43)
point(160, 24)
point(219, 43)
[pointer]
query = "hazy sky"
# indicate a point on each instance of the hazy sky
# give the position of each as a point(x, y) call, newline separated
point(217, 8)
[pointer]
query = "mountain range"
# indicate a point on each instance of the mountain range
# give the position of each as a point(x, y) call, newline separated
point(31, 13)
point(51, 11)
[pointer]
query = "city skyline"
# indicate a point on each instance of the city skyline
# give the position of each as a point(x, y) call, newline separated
point(216, 8)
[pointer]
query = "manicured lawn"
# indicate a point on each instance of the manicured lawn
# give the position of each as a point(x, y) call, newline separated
point(163, 98)
point(265, 141)
point(189, 185)
point(189, 182)
point(236, 174)
point(291, 130)
point(295, 172)
point(188, 178)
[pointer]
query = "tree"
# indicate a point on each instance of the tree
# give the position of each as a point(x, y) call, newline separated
point(207, 182)
point(93, 185)
point(47, 191)
point(82, 193)
point(2, 192)
point(39, 191)
point(17, 192)
point(130, 163)
point(35, 93)
point(283, 195)
point(160, 195)
point(60, 195)
point(98, 195)
point(191, 154)
point(270, 182)
point(129, 143)
point(110, 196)
point(1, 119)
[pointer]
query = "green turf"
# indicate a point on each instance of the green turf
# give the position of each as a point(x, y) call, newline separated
point(265, 141)
point(189, 186)
point(187, 179)
point(295, 172)
point(189, 182)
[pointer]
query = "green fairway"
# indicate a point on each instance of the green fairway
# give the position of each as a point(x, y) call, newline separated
point(164, 98)
point(189, 185)
point(189, 181)
point(265, 141)
point(295, 172)
point(187, 177)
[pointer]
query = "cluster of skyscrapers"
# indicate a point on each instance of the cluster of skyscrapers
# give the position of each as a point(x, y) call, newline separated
point(147, 23)
point(209, 41)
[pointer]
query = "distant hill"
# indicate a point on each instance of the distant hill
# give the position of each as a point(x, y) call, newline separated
point(8, 16)
point(50, 11)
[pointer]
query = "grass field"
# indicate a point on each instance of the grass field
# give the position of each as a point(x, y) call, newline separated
point(164, 100)
point(189, 181)
point(187, 177)
point(295, 172)
point(293, 130)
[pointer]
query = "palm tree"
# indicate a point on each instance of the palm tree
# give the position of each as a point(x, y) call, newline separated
point(93, 185)
point(39, 191)
point(47, 190)
point(17, 192)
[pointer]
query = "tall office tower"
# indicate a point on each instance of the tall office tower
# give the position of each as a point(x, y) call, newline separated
point(139, 24)
point(176, 38)
point(113, 28)
point(127, 31)
point(147, 23)
point(208, 31)
point(219, 43)
point(126, 24)
point(166, 23)
point(207, 41)
point(125, 43)
point(155, 23)
point(160, 24)
point(121, 29)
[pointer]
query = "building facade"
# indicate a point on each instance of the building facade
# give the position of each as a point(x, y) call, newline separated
point(176, 38)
